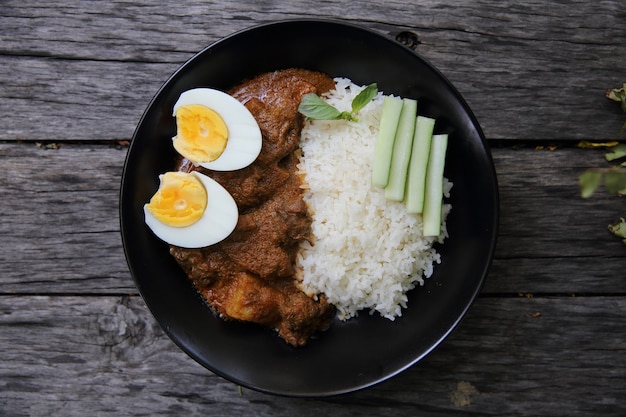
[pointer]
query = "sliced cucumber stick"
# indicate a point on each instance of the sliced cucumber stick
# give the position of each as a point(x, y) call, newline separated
point(416, 179)
point(401, 155)
point(433, 198)
point(392, 106)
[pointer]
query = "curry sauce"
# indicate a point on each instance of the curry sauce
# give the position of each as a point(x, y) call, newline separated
point(250, 276)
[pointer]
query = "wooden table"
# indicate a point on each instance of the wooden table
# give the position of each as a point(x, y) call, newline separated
point(547, 336)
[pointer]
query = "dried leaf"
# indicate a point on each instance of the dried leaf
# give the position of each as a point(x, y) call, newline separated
point(585, 144)
point(50, 145)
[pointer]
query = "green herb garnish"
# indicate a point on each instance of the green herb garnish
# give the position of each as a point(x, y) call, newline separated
point(314, 107)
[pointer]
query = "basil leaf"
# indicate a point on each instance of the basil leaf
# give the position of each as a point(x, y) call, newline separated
point(346, 115)
point(365, 96)
point(313, 107)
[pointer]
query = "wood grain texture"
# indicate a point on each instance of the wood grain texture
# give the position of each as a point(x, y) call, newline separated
point(106, 356)
point(59, 221)
point(544, 338)
point(66, 217)
point(541, 206)
point(69, 66)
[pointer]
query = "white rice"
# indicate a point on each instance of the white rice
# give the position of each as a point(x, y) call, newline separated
point(366, 252)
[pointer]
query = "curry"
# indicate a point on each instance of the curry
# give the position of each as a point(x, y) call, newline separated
point(250, 276)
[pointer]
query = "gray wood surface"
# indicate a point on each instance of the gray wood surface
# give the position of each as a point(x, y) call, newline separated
point(521, 67)
point(546, 335)
point(106, 356)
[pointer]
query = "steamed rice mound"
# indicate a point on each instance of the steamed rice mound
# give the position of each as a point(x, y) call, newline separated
point(365, 252)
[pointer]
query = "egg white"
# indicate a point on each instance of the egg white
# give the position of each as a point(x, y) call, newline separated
point(216, 224)
point(244, 135)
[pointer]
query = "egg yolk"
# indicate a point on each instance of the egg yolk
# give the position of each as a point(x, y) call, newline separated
point(180, 200)
point(202, 133)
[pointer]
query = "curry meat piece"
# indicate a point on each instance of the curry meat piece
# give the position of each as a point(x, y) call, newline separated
point(250, 276)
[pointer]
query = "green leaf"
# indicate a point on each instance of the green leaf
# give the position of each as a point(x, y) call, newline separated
point(615, 181)
point(313, 107)
point(619, 229)
point(617, 152)
point(346, 115)
point(365, 96)
point(589, 181)
point(619, 95)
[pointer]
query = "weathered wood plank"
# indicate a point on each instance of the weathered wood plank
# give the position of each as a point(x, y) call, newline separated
point(546, 335)
point(529, 72)
point(150, 32)
point(559, 275)
point(106, 356)
point(56, 99)
point(59, 221)
point(65, 217)
point(542, 212)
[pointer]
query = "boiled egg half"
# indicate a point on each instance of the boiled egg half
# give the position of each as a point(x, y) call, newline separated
point(215, 130)
point(191, 210)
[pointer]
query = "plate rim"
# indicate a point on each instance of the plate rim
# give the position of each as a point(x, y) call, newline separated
point(494, 232)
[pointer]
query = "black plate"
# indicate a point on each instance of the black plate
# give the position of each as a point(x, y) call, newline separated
point(362, 351)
